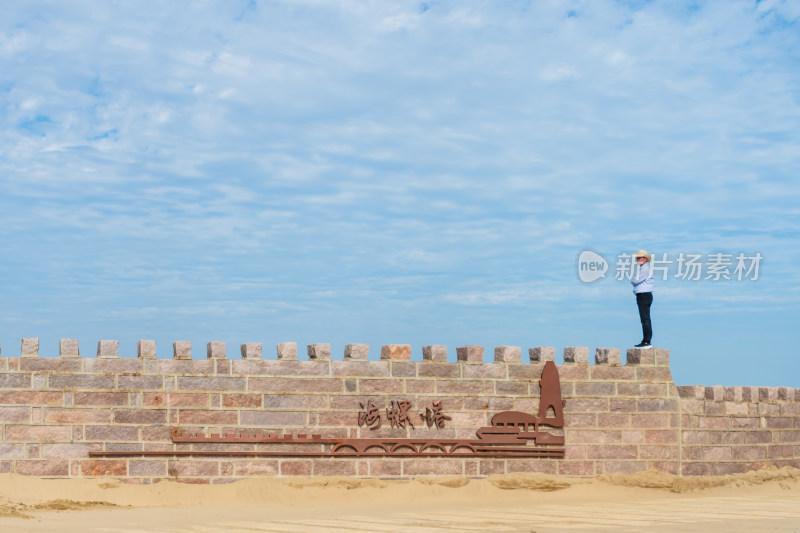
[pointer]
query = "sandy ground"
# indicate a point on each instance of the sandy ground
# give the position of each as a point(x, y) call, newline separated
point(767, 500)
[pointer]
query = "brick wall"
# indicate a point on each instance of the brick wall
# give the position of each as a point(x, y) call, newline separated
point(618, 417)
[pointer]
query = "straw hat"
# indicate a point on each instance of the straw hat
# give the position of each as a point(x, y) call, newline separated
point(642, 253)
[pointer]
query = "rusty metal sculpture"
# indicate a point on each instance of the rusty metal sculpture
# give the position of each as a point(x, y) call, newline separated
point(511, 434)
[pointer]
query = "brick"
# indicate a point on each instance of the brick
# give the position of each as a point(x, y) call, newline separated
point(658, 453)
point(623, 467)
point(287, 351)
point(182, 350)
point(488, 467)
point(68, 348)
point(576, 355)
point(146, 349)
point(576, 468)
point(607, 356)
point(334, 467)
point(50, 364)
point(104, 467)
point(645, 373)
point(319, 351)
point(140, 383)
point(510, 388)
point(295, 468)
point(317, 385)
point(595, 389)
point(108, 348)
point(663, 436)
point(433, 370)
point(460, 387)
point(611, 451)
point(436, 353)
point(691, 391)
point(356, 351)
point(431, 467)
point(15, 414)
point(100, 398)
point(251, 350)
point(15, 381)
point(68, 450)
point(38, 433)
point(363, 369)
point(216, 350)
point(147, 468)
point(112, 365)
point(403, 369)
point(396, 351)
point(508, 354)
point(470, 354)
point(242, 400)
point(616, 373)
point(641, 356)
point(192, 416)
point(77, 416)
point(140, 416)
point(573, 372)
point(29, 347)
point(49, 467)
point(12, 451)
point(256, 467)
point(274, 418)
point(215, 383)
point(192, 468)
point(81, 381)
point(658, 405)
point(542, 354)
point(111, 433)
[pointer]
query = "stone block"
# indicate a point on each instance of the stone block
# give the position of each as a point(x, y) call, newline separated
point(319, 351)
point(216, 350)
point(356, 351)
point(434, 352)
point(182, 350)
point(107, 349)
point(541, 354)
point(641, 356)
point(251, 350)
point(470, 354)
point(287, 350)
point(507, 354)
point(68, 348)
point(396, 351)
point(30, 347)
point(576, 355)
point(608, 356)
point(146, 349)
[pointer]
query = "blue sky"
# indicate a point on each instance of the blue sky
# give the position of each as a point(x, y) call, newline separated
point(400, 172)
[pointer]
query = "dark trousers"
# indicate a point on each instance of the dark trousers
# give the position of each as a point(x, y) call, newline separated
point(644, 300)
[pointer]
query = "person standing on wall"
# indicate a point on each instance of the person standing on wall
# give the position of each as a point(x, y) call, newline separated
point(643, 285)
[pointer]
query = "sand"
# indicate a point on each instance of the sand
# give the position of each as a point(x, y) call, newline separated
point(766, 500)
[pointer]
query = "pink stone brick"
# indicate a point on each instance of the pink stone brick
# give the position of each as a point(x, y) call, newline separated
point(432, 467)
point(50, 365)
point(640, 356)
point(595, 389)
point(209, 383)
point(616, 373)
point(623, 467)
point(610, 451)
point(583, 420)
point(385, 468)
point(375, 386)
point(111, 433)
point(103, 467)
point(49, 467)
point(691, 391)
point(334, 467)
point(275, 418)
point(38, 433)
point(193, 468)
point(317, 385)
point(295, 468)
point(664, 436)
point(140, 383)
point(100, 399)
point(404, 369)
point(256, 467)
point(396, 351)
point(576, 468)
point(242, 400)
point(15, 414)
point(649, 420)
point(201, 416)
point(488, 467)
point(140, 416)
point(541, 466)
point(632, 436)
point(573, 372)
point(484, 371)
point(363, 369)
point(77, 416)
point(507, 354)
point(466, 387)
point(147, 468)
point(470, 354)
point(175, 399)
point(435, 370)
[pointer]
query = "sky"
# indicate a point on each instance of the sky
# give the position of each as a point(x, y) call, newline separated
point(392, 172)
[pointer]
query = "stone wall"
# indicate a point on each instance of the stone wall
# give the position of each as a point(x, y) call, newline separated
point(618, 417)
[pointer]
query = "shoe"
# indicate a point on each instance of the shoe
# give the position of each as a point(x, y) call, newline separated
point(643, 345)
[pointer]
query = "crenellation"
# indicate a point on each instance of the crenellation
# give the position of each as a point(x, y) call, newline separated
point(182, 350)
point(470, 354)
point(108, 349)
point(29, 347)
point(319, 352)
point(576, 355)
point(396, 351)
point(68, 348)
point(356, 352)
point(508, 354)
point(216, 350)
point(608, 356)
point(434, 353)
point(542, 354)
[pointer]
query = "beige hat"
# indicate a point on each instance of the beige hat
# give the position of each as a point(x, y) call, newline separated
point(641, 253)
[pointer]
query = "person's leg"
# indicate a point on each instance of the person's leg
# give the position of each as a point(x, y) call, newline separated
point(644, 301)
